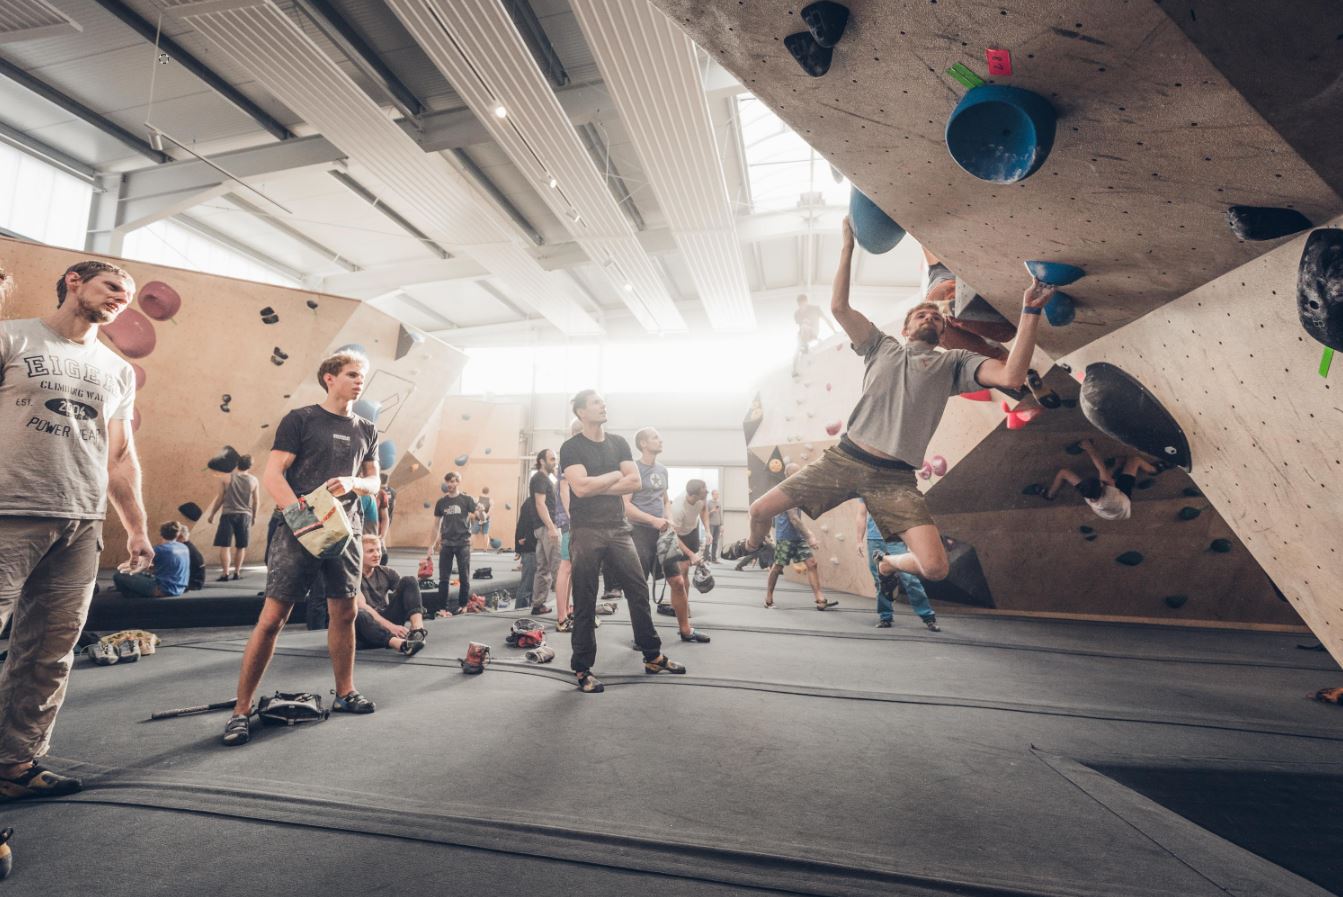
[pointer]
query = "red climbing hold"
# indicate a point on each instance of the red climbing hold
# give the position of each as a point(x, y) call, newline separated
point(833, 429)
point(981, 395)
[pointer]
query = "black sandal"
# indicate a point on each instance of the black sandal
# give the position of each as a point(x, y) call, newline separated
point(589, 684)
point(238, 730)
point(829, 602)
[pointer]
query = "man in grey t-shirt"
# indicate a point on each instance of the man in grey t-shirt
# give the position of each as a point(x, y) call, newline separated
point(66, 406)
point(236, 505)
point(905, 391)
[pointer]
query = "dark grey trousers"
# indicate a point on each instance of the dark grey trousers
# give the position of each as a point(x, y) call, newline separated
point(607, 553)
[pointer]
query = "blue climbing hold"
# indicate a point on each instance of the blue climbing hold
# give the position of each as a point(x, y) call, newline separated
point(1060, 309)
point(386, 454)
point(872, 228)
point(1001, 134)
point(367, 409)
point(1056, 274)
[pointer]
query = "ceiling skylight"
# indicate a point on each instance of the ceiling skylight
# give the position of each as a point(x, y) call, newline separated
point(783, 170)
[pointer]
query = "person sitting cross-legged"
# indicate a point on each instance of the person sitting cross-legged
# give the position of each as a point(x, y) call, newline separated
point(390, 612)
point(167, 578)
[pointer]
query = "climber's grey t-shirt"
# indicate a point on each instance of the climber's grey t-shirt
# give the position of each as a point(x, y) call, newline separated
point(56, 397)
point(326, 445)
point(238, 493)
point(651, 497)
point(905, 391)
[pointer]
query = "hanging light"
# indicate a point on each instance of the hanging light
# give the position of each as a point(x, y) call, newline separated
point(500, 111)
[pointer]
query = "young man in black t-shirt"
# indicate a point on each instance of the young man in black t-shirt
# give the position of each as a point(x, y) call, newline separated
point(455, 512)
point(599, 469)
point(317, 446)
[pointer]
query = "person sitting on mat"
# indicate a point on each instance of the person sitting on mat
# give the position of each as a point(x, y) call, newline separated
point(390, 612)
point(196, 567)
point(1108, 494)
point(793, 544)
point(167, 577)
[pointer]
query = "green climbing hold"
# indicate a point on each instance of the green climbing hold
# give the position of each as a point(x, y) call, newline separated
point(1188, 513)
point(1221, 546)
point(1130, 558)
point(1191, 492)
point(1085, 530)
point(1176, 601)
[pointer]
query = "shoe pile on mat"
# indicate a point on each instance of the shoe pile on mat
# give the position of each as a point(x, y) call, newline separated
point(526, 633)
point(126, 646)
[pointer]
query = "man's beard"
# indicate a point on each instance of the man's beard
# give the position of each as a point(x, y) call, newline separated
point(96, 314)
point(928, 334)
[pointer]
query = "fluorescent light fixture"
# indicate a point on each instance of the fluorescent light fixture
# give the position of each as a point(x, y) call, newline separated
point(500, 111)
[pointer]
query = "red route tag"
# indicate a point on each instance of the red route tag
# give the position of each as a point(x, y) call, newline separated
point(1000, 61)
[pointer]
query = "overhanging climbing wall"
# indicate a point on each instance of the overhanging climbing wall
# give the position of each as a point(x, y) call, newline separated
point(1153, 141)
point(1232, 364)
point(223, 369)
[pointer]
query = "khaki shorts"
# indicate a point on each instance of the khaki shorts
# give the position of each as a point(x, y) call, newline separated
point(892, 495)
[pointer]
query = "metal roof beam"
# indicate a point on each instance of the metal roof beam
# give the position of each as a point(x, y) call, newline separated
point(400, 221)
point(183, 57)
point(47, 153)
point(80, 111)
point(338, 29)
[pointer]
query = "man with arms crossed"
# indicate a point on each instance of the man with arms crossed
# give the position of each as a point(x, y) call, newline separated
point(905, 391)
point(599, 469)
point(317, 446)
point(66, 403)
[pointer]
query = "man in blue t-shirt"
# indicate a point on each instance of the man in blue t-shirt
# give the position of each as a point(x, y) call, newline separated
point(168, 577)
point(889, 585)
point(793, 544)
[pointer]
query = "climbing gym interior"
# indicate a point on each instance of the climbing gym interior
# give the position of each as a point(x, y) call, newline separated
point(831, 448)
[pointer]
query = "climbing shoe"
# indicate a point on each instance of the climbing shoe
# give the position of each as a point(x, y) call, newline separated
point(666, 610)
point(884, 624)
point(37, 781)
point(353, 702)
point(589, 684)
point(1043, 394)
point(695, 636)
point(418, 635)
point(662, 664)
point(888, 582)
point(238, 730)
point(565, 625)
point(410, 647)
point(738, 550)
point(931, 622)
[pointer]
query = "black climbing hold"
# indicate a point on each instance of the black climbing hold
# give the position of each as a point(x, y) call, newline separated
point(1033, 489)
point(1090, 538)
point(1146, 484)
point(426, 504)
point(1188, 513)
point(226, 398)
point(312, 303)
point(1075, 448)
point(190, 510)
point(1319, 287)
point(224, 462)
point(1065, 367)
point(1176, 601)
point(1264, 222)
point(826, 20)
point(279, 357)
point(814, 59)
point(1121, 407)
point(1221, 546)
point(1130, 558)
point(224, 407)
point(1085, 530)
point(872, 227)
point(1191, 492)
point(406, 340)
point(268, 316)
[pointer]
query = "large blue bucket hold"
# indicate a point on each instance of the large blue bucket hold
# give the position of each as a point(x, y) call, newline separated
point(1001, 134)
point(872, 228)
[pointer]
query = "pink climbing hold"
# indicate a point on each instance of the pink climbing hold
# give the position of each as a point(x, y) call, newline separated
point(159, 300)
point(926, 472)
point(980, 395)
point(827, 387)
point(1080, 375)
point(131, 334)
point(1014, 421)
point(139, 376)
point(833, 429)
point(135, 416)
point(939, 465)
